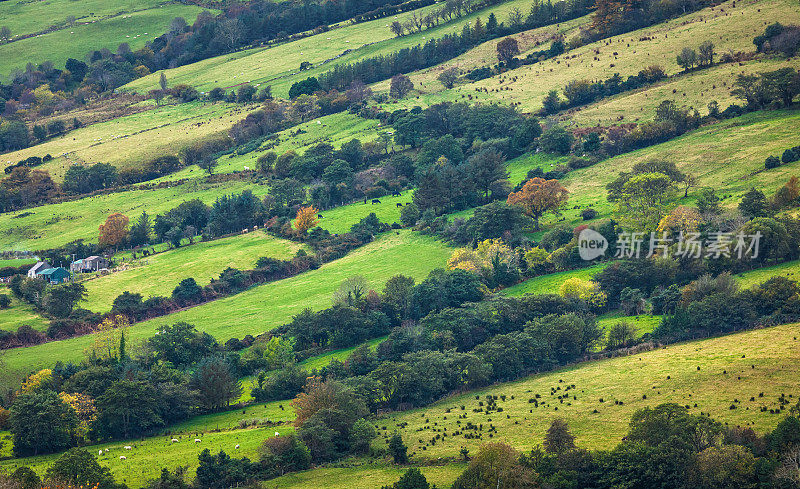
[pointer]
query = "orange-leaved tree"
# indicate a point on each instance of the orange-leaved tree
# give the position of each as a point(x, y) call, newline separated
point(114, 231)
point(538, 197)
point(306, 219)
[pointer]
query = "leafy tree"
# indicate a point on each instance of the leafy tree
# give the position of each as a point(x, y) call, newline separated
point(169, 480)
point(496, 466)
point(620, 334)
point(558, 438)
point(687, 58)
point(399, 86)
point(351, 291)
point(187, 291)
point(78, 467)
point(487, 169)
point(538, 197)
point(180, 344)
point(361, 434)
point(507, 49)
point(708, 202)
point(41, 422)
point(448, 77)
point(128, 408)
point(398, 449)
point(216, 384)
point(307, 218)
point(409, 214)
point(304, 87)
point(114, 231)
point(61, 299)
point(645, 200)
point(754, 204)
point(285, 454)
point(706, 56)
point(221, 471)
point(726, 467)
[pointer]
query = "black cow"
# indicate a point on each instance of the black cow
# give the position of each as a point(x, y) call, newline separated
point(399, 204)
point(320, 216)
point(395, 194)
point(376, 201)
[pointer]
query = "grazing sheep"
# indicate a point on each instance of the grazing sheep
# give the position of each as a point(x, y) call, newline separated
point(128, 447)
point(237, 446)
point(197, 440)
point(174, 440)
point(99, 452)
point(247, 168)
point(277, 434)
point(123, 457)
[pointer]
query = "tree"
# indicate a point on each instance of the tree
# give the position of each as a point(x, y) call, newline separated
point(645, 200)
point(413, 478)
point(397, 449)
point(507, 49)
point(726, 467)
point(361, 434)
point(399, 86)
point(556, 140)
point(687, 59)
point(285, 454)
point(180, 344)
point(208, 164)
point(706, 56)
point(78, 467)
point(708, 202)
point(128, 408)
point(409, 214)
point(41, 422)
point(5, 34)
point(538, 197)
point(187, 291)
point(114, 231)
point(448, 77)
point(754, 204)
point(782, 85)
point(621, 334)
point(307, 218)
point(215, 383)
point(496, 466)
point(487, 168)
point(61, 299)
point(141, 230)
point(551, 103)
point(304, 87)
point(221, 471)
point(162, 81)
point(351, 291)
point(558, 438)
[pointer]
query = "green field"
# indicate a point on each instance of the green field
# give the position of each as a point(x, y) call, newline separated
point(550, 283)
point(134, 139)
point(265, 307)
point(158, 274)
point(142, 22)
point(758, 361)
point(278, 66)
point(790, 270)
point(19, 313)
point(55, 225)
point(17, 262)
point(729, 28)
point(368, 476)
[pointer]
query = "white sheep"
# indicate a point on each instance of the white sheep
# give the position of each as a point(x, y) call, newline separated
point(237, 446)
point(99, 452)
point(174, 440)
point(123, 457)
point(247, 168)
point(128, 447)
point(277, 434)
point(197, 440)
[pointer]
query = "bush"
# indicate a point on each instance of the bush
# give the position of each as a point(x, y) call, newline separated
point(790, 156)
point(5, 301)
point(772, 162)
point(588, 214)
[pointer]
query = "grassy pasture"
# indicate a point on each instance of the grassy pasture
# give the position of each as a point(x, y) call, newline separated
point(143, 22)
point(25, 17)
point(134, 139)
point(264, 307)
point(550, 283)
point(728, 27)
point(341, 219)
point(158, 274)
point(19, 313)
point(769, 365)
point(790, 270)
point(728, 156)
point(368, 476)
point(278, 66)
point(54, 225)
point(17, 262)
point(146, 458)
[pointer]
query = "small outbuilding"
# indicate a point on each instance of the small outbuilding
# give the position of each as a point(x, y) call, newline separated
point(38, 268)
point(56, 275)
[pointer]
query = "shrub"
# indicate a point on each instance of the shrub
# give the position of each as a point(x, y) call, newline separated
point(789, 156)
point(588, 214)
point(772, 162)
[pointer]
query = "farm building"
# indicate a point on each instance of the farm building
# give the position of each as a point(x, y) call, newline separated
point(90, 264)
point(56, 275)
point(38, 268)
